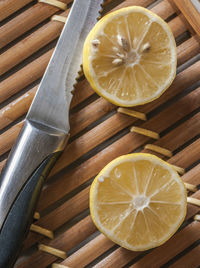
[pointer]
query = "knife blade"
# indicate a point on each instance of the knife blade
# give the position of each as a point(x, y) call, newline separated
point(45, 132)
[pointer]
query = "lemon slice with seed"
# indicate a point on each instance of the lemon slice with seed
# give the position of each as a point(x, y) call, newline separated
point(138, 201)
point(129, 57)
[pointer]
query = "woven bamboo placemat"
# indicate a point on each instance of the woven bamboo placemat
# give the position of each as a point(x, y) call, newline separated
point(63, 234)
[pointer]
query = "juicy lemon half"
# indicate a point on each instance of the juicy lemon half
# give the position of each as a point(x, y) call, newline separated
point(129, 57)
point(138, 201)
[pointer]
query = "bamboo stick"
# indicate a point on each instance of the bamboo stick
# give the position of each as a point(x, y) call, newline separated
point(8, 137)
point(164, 9)
point(176, 244)
point(26, 21)
point(75, 205)
point(177, 25)
point(190, 13)
point(119, 257)
point(83, 118)
point(72, 236)
point(125, 145)
point(82, 92)
point(89, 252)
point(188, 49)
point(24, 76)
point(126, 3)
point(31, 44)
point(8, 7)
point(180, 158)
point(15, 109)
point(179, 134)
point(193, 209)
point(191, 259)
point(194, 174)
point(34, 71)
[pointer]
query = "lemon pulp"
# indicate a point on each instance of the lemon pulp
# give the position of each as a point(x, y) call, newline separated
point(129, 57)
point(138, 201)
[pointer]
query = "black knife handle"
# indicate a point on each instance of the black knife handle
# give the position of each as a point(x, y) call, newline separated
point(19, 219)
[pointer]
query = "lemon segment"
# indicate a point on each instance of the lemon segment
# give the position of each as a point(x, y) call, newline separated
point(138, 201)
point(129, 57)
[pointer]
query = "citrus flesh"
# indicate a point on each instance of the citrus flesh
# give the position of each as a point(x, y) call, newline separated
point(138, 201)
point(129, 57)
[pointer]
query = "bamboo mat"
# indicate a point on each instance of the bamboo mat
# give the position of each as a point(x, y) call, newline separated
point(63, 234)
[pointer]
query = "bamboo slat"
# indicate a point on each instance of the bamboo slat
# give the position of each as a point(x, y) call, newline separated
point(176, 244)
point(190, 12)
point(74, 236)
point(99, 134)
point(24, 77)
point(191, 259)
point(179, 135)
point(8, 138)
point(194, 174)
point(82, 257)
point(26, 21)
point(119, 257)
point(180, 158)
point(8, 7)
point(30, 44)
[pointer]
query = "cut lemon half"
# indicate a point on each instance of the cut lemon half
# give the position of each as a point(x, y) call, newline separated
point(138, 201)
point(129, 57)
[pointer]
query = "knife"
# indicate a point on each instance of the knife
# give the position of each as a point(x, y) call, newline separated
point(44, 134)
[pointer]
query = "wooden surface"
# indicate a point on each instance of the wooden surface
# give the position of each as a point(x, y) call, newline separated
point(99, 133)
point(190, 12)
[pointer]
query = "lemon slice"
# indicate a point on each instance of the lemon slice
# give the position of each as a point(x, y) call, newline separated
point(129, 57)
point(138, 201)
